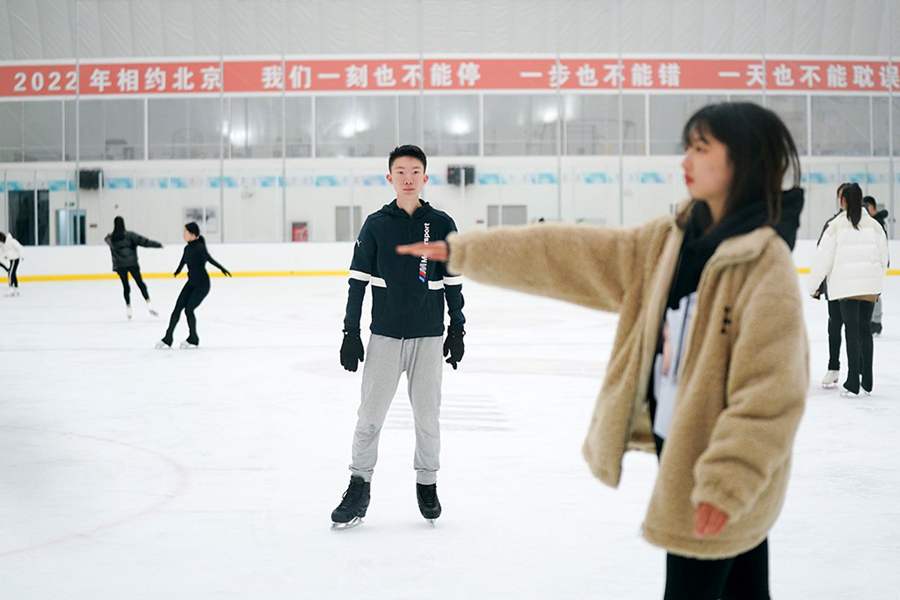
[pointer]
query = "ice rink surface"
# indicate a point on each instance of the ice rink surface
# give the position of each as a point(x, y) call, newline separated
point(127, 472)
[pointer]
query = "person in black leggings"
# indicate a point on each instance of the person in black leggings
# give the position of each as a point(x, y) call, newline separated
point(195, 290)
point(123, 245)
point(13, 273)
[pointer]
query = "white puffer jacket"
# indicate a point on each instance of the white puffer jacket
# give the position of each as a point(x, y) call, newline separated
point(851, 260)
point(11, 249)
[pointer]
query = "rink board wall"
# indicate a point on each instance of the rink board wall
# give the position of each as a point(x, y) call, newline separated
point(254, 201)
point(251, 259)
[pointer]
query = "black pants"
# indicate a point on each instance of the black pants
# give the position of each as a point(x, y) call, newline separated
point(192, 294)
point(743, 577)
point(136, 275)
point(835, 322)
point(857, 316)
point(13, 270)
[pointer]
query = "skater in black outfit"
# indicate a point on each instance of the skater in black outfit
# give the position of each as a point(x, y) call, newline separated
point(123, 245)
point(195, 290)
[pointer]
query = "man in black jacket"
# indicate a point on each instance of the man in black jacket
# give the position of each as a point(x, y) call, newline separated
point(408, 297)
point(880, 216)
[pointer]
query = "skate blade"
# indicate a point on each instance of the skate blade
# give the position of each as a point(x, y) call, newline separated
point(186, 346)
point(829, 386)
point(354, 522)
point(153, 313)
point(432, 523)
point(162, 346)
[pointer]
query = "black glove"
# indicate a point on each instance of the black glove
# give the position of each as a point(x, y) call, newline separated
point(351, 350)
point(821, 290)
point(226, 272)
point(454, 345)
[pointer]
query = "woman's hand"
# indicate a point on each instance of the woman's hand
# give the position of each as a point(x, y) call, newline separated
point(709, 521)
point(438, 251)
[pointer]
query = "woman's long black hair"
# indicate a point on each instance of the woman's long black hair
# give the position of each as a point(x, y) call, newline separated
point(194, 229)
point(118, 228)
point(760, 148)
point(852, 195)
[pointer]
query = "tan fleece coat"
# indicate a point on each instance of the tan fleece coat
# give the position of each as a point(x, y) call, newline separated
point(742, 385)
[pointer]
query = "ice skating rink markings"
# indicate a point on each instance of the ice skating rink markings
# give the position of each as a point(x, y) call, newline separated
point(90, 456)
point(459, 412)
point(543, 367)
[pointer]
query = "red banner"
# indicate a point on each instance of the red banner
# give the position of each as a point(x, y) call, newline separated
point(298, 76)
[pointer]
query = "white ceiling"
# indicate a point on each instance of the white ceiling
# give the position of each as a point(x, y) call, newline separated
point(46, 29)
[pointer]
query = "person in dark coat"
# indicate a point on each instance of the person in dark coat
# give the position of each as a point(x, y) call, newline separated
point(123, 245)
point(881, 216)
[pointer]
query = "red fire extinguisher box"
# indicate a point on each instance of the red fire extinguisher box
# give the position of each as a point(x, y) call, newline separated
point(300, 232)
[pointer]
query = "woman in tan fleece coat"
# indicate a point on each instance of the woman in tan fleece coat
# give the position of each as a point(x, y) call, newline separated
point(721, 401)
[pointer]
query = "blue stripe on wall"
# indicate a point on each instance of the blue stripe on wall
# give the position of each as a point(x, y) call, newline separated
point(118, 183)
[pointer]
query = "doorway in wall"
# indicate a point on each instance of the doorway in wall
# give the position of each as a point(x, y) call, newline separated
point(70, 228)
point(347, 223)
point(29, 216)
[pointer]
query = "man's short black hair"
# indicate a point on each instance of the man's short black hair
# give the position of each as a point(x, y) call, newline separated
point(869, 200)
point(407, 150)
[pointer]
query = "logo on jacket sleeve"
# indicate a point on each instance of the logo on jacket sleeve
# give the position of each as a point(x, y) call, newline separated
point(423, 264)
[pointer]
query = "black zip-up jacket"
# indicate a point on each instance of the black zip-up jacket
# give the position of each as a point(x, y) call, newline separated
point(195, 258)
point(407, 292)
point(124, 249)
point(881, 216)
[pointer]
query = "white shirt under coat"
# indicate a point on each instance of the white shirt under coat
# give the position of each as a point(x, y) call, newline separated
point(667, 366)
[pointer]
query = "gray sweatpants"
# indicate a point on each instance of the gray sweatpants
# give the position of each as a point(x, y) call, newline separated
point(386, 359)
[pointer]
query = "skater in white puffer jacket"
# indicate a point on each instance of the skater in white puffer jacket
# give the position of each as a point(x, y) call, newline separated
point(852, 257)
point(11, 250)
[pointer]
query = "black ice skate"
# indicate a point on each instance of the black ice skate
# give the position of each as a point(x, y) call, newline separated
point(353, 506)
point(429, 505)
